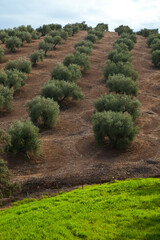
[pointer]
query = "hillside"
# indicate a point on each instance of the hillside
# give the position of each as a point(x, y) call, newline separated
point(69, 154)
point(121, 210)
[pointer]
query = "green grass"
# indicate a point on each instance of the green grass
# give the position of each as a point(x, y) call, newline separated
point(123, 210)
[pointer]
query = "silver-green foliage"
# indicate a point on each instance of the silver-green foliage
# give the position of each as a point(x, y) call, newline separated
point(12, 43)
point(23, 65)
point(116, 126)
point(12, 78)
point(43, 111)
point(118, 103)
point(1, 53)
point(24, 138)
point(61, 90)
point(7, 188)
point(6, 98)
point(71, 73)
point(124, 68)
point(45, 46)
point(37, 56)
point(80, 59)
point(120, 84)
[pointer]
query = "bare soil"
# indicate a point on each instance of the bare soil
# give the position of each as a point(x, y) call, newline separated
point(69, 154)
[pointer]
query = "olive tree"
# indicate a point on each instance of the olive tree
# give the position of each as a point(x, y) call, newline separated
point(117, 127)
point(21, 65)
point(71, 73)
point(80, 59)
point(12, 78)
point(7, 188)
point(43, 111)
point(37, 56)
point(24, 138)
point(124, 68)
point(61, 90)
point(156, 58)
point(120, 84)
point(45, 46)
point(12, 43)
point(1, 53)
point(118, 103)
point(6, 98)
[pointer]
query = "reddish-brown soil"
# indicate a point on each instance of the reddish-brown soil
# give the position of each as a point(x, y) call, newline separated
point(69, 154)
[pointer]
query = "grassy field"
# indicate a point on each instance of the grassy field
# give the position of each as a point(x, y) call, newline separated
point(122, 210)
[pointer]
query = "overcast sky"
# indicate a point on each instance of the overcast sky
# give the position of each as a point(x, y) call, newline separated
point(135, 13)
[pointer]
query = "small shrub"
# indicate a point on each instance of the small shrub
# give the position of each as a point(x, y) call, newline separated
point(21, 65)
point(119, 56)
point(43, 110)
point(24, 138)
point(116, 126)
point(127, 41)
point(12, 43)
point(6, 98)
point(156, 58)
point(45, 46)
point(60, 90)
point(57, 41)
point(92, 37)
point(37, 56)
point(120, 84)
point(1, 53)
point(126, 69)
point(84, 43)
point(84, 49)
point(118, 103)
point(7, 188)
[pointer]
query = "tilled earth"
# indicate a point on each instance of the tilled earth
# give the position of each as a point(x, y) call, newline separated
point(69, 154)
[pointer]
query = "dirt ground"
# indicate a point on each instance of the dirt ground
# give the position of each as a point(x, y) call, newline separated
point(69, 154)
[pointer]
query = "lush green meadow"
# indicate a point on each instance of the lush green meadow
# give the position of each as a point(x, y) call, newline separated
point(122, 210)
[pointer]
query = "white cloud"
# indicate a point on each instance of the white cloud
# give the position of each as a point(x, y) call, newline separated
point(135, 13)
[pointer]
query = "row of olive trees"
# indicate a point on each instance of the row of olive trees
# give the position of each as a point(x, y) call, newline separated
point(44, 110)
point(153, 41)
point(117, 111)
point(54, 36)
point(15, 38)
point(24, 135)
